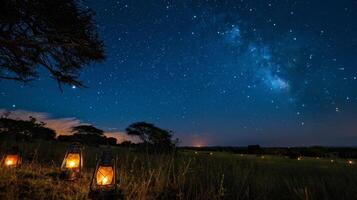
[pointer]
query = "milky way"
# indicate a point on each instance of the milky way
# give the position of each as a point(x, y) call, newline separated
point(216, 72)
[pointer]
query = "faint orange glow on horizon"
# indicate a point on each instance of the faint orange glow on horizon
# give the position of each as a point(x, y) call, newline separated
point(198, 145)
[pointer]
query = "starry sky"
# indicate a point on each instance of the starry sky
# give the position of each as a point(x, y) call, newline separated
point(227, 72)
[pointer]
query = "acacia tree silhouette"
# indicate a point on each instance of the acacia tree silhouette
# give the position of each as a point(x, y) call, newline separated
point(152, 135)
point(57, 35)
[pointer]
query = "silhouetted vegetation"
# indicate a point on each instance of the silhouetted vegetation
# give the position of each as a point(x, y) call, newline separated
point(181, 175)
point(11, 129)
point(57, 35)
point(88, 134)
point(153, 138)
point(293, 152)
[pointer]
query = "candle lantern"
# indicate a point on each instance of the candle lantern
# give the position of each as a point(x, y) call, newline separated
point(103, 184)
point(12, 158)
point(73, 162)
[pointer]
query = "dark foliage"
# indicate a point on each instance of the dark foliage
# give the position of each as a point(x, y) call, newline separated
point(292, 152)
point(111, 141)
point(87, 130)
point(57, 35)
point(151, 135)
point(126, 144)
point(25, 130)
point(88, 134)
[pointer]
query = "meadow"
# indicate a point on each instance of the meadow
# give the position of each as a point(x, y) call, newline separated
point(184, 175)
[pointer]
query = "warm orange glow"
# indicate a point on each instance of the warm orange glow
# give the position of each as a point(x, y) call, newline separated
point(72, 160)
point(11, 160)
point(350, 162)
point(299, 158)
point(105, 175)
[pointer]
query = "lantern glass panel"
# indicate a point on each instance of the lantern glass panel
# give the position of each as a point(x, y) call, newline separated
point(105, 175)
point(11, 160)
point(73, 160)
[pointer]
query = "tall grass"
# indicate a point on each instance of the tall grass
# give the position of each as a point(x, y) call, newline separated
point(184, 175)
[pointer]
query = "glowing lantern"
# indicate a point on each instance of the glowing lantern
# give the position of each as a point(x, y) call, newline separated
point(105, 175)
point(299, 158)
point(73, 162)
point(12, 158)
point(103, 182)
point(350, 162)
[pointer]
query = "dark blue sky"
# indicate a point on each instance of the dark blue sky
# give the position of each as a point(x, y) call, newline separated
point(216, 72)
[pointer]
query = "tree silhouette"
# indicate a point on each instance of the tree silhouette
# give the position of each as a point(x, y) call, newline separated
point(58, 35)
point(25, 129)
point(87, 130)
point(151, 134)
point(89, 134)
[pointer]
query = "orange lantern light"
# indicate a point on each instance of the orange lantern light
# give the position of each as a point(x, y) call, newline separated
point(12, 158)
point(103, 182)
point(73, 162)
point(105, 175)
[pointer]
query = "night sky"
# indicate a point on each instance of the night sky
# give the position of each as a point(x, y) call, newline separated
point(274, 73)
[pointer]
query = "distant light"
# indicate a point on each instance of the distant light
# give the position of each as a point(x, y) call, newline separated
point(350, 162)
point(13, 105)
point(74, 87)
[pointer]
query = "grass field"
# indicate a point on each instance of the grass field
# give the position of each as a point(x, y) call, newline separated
point(186, 175)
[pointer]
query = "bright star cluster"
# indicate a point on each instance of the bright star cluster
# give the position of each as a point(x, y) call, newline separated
point(216, 72)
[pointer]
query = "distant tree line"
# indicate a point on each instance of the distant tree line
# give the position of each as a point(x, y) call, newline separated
point(153, 138)
point(21, 130)
point(291, 152)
